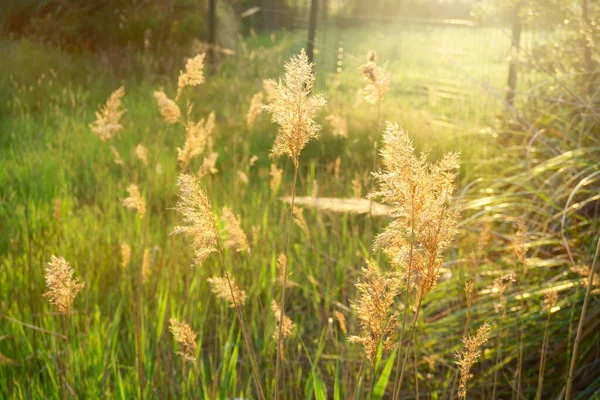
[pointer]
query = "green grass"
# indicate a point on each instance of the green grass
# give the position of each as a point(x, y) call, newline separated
point(47, 152)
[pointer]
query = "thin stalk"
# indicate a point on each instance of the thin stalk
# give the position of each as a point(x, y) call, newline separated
point(410, 337)
point(375, 146)
point(360, 373)
point(498, 352)
point(543, 358)
point(64, 386)
point(241, 321)
point(416, 372)
point(586, 300)
point(406, 298)
point(521, 334)
point(140, 321)
point(285, 275)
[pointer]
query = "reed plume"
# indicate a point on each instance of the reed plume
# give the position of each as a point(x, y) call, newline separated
point(61, 291)
point(116, 155)
point(469, 356)
point(294, 108)
point(550, 299)
point(374, 311)
point(125, 254)
point(339, 125)
point(167, 107)
point(424, 222)
point(227, 290)
point(135, 201)
point(193, 74)
point(107, 123)
point(256, 107)
point(141, 152)
point(235, 236)
point(377, 79)
point(62, 288)
point(287, 326)
point(275, 181)
point(146, 265)
point(196, 139)
point(185, 336)
point(300, 221)
point(197, 217)
point(209, 166)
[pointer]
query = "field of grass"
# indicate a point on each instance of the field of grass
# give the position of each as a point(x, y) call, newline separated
point(61, 193)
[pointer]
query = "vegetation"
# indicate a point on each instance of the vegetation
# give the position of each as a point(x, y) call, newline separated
point(170, 233)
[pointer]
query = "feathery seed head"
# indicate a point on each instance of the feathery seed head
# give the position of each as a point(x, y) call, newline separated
point(168, 108)
point(142, 154)
point(146, 265)
point(519, 243)
point(193, 75)
point(300, 221)
point(62, 288)
point(116, 155)
point(208, 166)
point(420, 194)
point(198, 220)
point(256, 107)
point(339, 126)
point(186, 337)
point(470, 355)
point(236, 238)
point(379, 324)
point(550, 299)
point(294, 108)
point(196, 139)
point(287, 326)
point(125, 254)
point(376, 78)
point(107, 123)
point(275, 179)
point(220, 287)
point(135, 200)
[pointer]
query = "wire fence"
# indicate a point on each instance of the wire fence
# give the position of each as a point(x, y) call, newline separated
point(456, 71)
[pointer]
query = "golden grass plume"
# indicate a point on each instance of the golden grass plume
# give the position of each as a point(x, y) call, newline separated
point(62, 288)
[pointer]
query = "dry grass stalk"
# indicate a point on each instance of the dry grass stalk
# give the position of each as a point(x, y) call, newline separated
point(235, 237)
point(141, 152)
point(550, 299)
point(339, 125)
point(374, 311)
point(357, 186)
point(193, 75)
point(186, 337)
point(221, 288)
point(196, 139)
point(57, 206)
point(518, 246)
point(208, 166)
point(135, 201)
point(117, 156)
point(62, 288)
point(424, 224)
point(146, 265)
point(256, 108)
point(585, 272)
point(344, 205)
point(275, 181)
point(107, 123)
point(125, 254)
point(377, 80)
point(197, 217)
point(243, 177)
point(341, 319)
point(167, 107)
point(499, 289)
point(287, 327)
point(300, 221)
point(470, 355)
point(294, 108)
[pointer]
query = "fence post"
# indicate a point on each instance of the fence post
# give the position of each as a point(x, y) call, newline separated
point(587, 51)
point(212, 34)
point(312, 30)
point(515, 46)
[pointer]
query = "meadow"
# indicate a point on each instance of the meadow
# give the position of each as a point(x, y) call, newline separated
point(503, 264)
